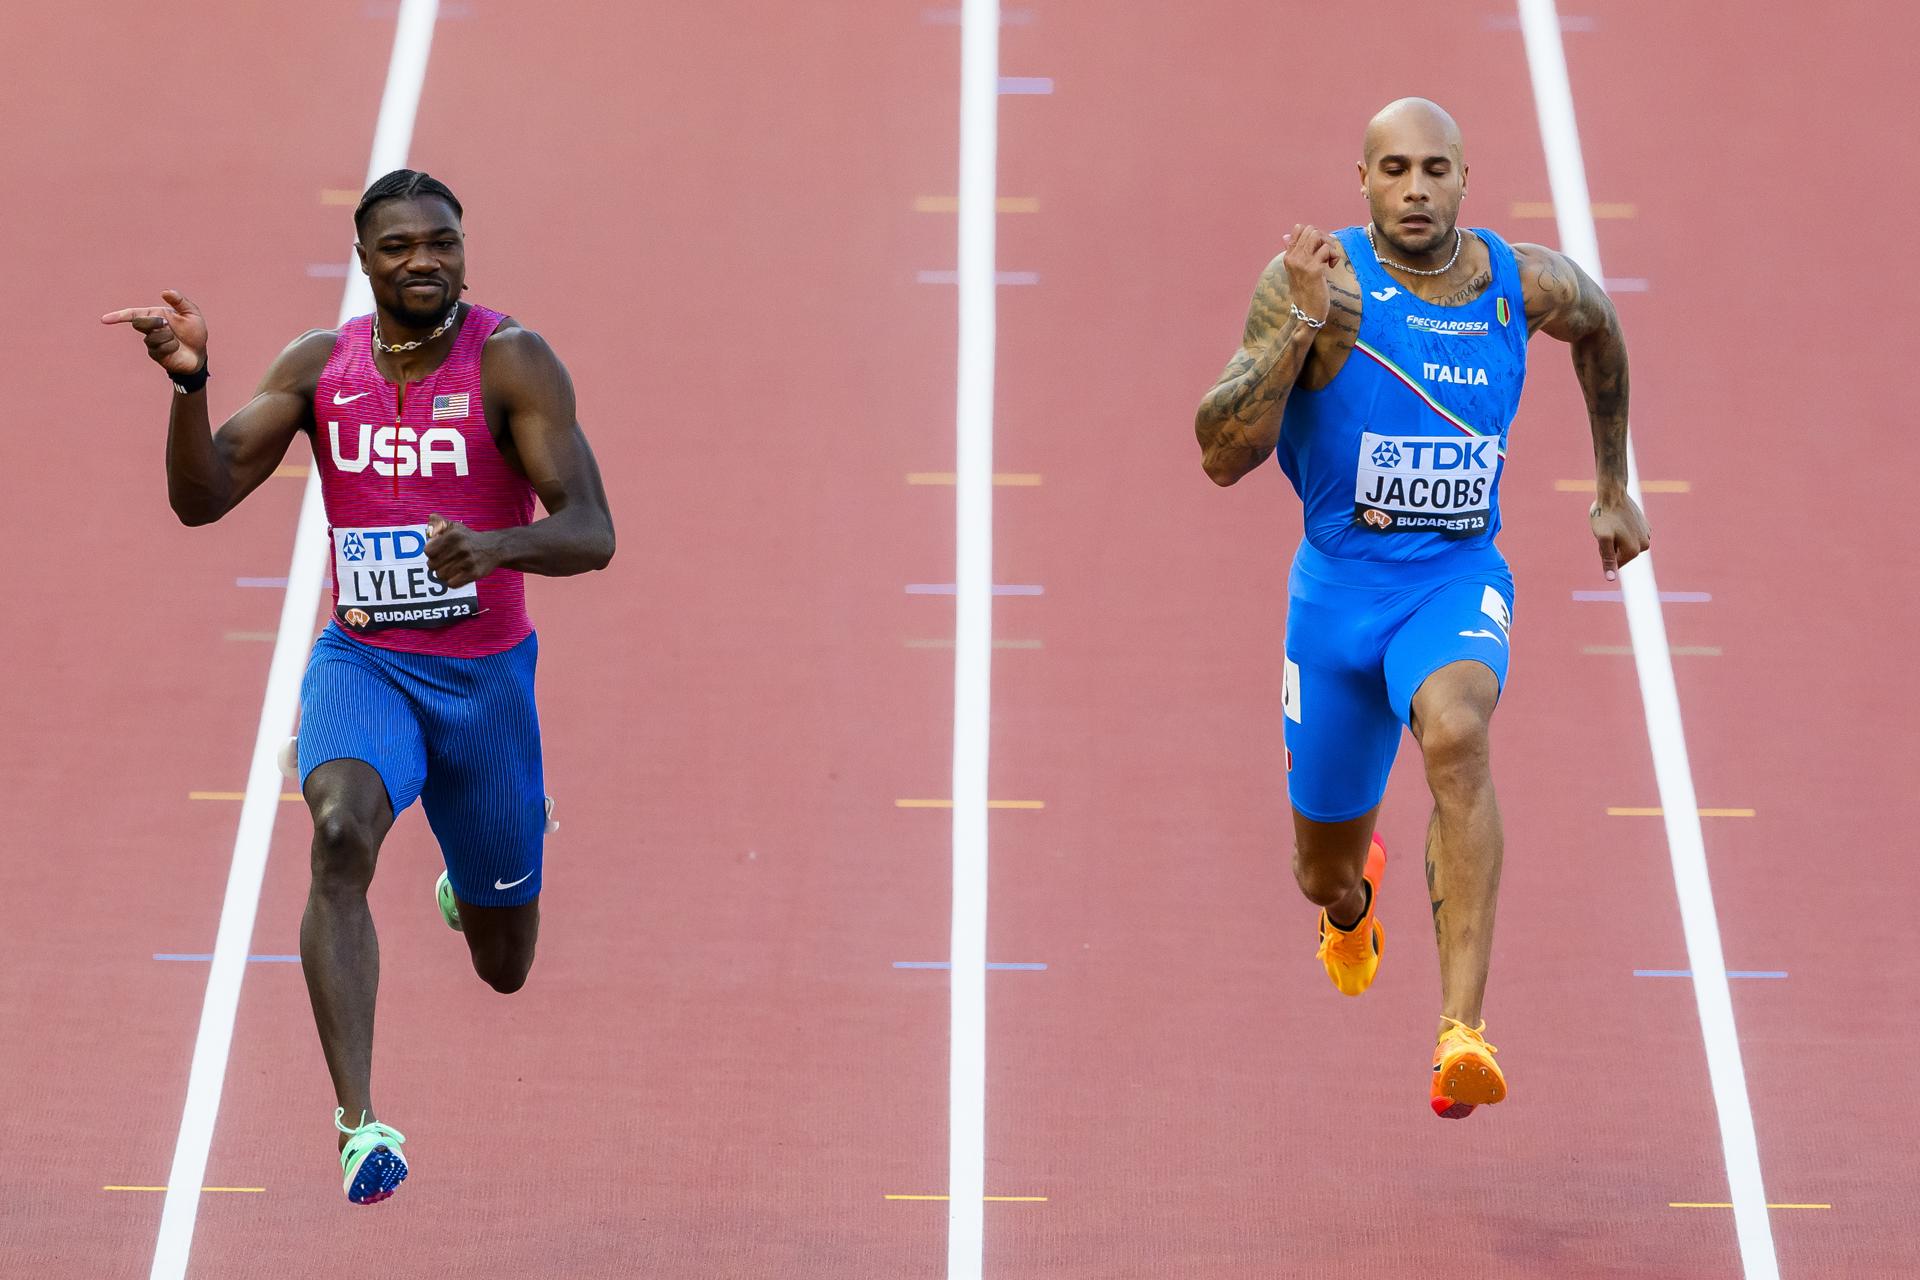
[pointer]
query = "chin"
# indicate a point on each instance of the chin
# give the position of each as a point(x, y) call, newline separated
point(417, 316)
point(1439, 236)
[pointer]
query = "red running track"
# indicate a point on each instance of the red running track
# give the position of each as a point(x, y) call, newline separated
point(716, 1069)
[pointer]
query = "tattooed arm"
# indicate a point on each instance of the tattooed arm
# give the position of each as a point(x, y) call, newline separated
point(1563, 302)
point(1239, 420)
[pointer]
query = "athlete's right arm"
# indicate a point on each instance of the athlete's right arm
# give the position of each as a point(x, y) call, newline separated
point(1239, 420)
point(208, 472)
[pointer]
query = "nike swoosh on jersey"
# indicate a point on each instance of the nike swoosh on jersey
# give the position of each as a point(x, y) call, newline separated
point(340, 399)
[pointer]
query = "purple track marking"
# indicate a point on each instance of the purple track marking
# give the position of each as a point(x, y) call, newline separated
point(1666, 597)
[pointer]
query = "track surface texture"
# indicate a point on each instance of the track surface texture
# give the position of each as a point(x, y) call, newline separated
point(717, 1068)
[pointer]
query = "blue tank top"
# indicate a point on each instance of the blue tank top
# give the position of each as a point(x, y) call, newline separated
point(1398, 459)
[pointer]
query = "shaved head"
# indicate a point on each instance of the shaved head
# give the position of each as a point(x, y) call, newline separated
point(1413, 171)
point(1411, 126)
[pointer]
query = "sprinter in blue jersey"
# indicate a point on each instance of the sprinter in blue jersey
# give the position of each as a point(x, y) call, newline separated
point(1383, 365)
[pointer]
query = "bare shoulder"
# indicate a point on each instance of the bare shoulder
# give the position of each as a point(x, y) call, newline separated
point(1560, 298)
point(516, 350)
point(298, 367)
point(519, 368)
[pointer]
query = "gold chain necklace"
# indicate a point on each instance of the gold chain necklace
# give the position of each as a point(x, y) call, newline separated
point(421, 342)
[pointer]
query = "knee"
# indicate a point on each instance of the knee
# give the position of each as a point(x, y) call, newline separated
point(503, 971)
point(344, 844)
point(1454, 744)
point(1324, 883)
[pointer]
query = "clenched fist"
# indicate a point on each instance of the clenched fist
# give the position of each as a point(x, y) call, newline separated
point(459, 555)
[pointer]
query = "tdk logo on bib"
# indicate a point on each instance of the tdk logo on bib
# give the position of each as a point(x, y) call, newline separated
point(401, 450)
point(1425, 484)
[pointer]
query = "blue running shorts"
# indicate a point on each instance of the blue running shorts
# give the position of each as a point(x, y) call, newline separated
point(1362, 636)
point(460, 734)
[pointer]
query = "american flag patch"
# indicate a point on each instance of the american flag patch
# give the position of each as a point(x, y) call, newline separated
point(449, 407)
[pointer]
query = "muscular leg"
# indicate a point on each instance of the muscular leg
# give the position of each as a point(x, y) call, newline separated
point(338, 950)
point(1329, 860)
point(501, 942)
point(1451, 713)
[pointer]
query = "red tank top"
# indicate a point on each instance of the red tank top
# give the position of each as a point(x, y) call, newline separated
point(385, 466)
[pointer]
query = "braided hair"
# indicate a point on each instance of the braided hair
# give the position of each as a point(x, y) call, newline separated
point(403, 184)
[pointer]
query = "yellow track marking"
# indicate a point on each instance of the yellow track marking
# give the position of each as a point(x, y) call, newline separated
point(1656, 813)
point(1646, 486)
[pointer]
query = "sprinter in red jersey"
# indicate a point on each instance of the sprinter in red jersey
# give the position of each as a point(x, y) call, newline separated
point(434, 425)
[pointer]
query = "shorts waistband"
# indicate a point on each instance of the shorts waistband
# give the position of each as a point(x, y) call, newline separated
point(1398, 574)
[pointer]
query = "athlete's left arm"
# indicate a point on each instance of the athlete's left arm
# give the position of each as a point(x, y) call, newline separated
point(523, 377)
point(1563, 302)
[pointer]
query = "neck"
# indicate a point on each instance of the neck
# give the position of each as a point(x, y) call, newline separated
point(1392, 255)
point(397, 329)
point(410, 366)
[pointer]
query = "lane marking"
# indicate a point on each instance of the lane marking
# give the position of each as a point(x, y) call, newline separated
point(948, 804)
point(1646, 486)
point(1684, 1204)
point(286, 797)
point(1544, 209)
point(1021, 966)
point(1678, 650)
point(1661, 813)
point(1669, 597)
point(1688, 973)
point(946, 642)
point(951, 204)
point(208, 955)
point(291, 471)
point(251, 1190)
point(952, 588)
point(1025, 84)
point(951, 17)
point(1005, 479)
point(985, 1199)
point(1627, 284)
point(340, 197)
point(977, 227)
point(332, 270)
point(249, 635)
point(1693, 886)
point(999, 277)
point(1572, 22)
point(393, 131)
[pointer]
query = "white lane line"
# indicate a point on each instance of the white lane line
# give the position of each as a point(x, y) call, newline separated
point(1553, 97)
point(406, 72)
point(972, 636)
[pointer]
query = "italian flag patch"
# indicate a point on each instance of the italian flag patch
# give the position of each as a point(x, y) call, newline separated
point(1501, 309)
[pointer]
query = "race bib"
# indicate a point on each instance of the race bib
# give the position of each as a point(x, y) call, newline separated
point(1426, 484)
point(384, 581)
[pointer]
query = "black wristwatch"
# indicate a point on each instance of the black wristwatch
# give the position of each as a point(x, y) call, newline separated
point(188, 383)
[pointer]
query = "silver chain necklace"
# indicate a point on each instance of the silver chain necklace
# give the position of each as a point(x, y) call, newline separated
point(444, 326)
point(1458, 240)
